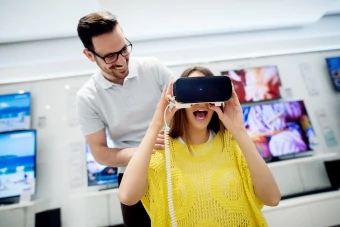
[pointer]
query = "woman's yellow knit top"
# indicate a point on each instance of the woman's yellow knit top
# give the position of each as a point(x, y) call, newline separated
point(212, 186)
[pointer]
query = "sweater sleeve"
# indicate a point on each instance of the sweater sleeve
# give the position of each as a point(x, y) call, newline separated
point(155, 174)
point(245, 173)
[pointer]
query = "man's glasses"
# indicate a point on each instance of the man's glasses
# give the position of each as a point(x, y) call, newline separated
point(112, 57)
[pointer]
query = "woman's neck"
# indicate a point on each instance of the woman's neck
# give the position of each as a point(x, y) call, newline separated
point(198, 136)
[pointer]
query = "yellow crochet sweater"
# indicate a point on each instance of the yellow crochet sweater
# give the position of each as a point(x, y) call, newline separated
point(210, 188)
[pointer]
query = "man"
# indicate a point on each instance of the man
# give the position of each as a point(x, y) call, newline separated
point(120, 98)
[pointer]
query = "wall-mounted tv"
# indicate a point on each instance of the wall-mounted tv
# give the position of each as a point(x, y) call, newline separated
point(98, 174)
point(15, 111)
point(255, 84)
point(333, 65)
point(17, 163)
point(280, 130)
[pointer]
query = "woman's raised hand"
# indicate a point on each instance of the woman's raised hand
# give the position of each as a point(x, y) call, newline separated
point(231, 116)
point(158, 118)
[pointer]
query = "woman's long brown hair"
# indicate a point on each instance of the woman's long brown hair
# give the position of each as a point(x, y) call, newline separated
point(179, 123)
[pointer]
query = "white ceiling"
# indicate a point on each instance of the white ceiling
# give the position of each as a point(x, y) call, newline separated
point(41, 19)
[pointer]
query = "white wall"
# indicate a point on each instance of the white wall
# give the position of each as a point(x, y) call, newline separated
point(58, 140)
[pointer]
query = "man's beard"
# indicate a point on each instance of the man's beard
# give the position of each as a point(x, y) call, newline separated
point(114, 74)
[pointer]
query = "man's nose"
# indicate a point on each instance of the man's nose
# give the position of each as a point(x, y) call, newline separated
point(121, 60)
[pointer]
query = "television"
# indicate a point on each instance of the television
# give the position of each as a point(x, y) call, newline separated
point(280, 130)
point(255, 84)
point(17, 163)
point(99, 174)
point(333, 64)
point(15, 111)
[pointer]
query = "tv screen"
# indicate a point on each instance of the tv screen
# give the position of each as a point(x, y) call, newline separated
point(17, 163)
point(15, 112)
point(255, 84)
point(280, 129)
point(99, 174)
point(333, 65)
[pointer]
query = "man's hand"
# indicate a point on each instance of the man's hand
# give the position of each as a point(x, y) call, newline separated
point(160, 141)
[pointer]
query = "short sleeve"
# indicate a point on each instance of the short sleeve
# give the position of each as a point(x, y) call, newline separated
point(250, 184)
point(88, 119)
point(245, 172)
point(156, 180)
point(164, 74)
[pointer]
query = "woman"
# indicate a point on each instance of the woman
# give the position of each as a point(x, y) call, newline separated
point(218, 177)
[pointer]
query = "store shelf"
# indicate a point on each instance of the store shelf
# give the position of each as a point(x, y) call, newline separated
point(18, 205)
point(316, 157)
point(96, 193)
point(303, 200)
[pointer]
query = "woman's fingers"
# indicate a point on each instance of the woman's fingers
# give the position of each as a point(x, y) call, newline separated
point(235, 98)
point(160, 141)
point(169, 88)
point(217, 109)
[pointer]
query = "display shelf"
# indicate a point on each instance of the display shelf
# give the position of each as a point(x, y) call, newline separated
point(304, 159)
point(96, 193)
point(303, 200)
point(18, 205)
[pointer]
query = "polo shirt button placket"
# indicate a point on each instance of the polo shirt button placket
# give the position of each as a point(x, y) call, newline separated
point(129, 101)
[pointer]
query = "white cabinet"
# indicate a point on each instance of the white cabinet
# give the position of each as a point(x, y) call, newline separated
point(320, 210)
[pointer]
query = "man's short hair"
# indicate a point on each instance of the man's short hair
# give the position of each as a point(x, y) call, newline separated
point(95, 24)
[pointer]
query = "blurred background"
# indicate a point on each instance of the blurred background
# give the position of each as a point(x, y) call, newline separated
point(282, 56)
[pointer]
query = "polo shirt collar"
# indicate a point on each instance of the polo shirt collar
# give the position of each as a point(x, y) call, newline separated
point(105, 84)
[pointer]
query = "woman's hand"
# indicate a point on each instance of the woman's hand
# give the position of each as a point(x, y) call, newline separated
point(231, 116)
point(158, 118)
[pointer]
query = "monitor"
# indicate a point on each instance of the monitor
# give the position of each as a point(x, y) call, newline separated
point(15, 111)
point(17, 163)
point(280, 130)
point(255, 84)
point(333, 64)
point(99, 174)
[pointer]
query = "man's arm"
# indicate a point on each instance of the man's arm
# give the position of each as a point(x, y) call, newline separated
point(93, 128)
point(108, 156)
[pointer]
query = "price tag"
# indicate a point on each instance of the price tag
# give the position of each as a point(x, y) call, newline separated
point(326, 128)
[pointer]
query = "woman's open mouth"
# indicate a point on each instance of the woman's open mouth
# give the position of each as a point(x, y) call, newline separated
point(200, 114)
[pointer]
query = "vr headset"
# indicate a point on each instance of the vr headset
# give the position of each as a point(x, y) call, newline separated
point(207, 89)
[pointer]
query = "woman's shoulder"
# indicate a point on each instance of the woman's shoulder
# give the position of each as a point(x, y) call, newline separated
point(230, 144)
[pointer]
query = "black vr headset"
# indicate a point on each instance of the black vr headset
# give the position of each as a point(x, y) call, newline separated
point(193, 90)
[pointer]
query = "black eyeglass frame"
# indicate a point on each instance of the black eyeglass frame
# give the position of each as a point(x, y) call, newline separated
point(116, 53)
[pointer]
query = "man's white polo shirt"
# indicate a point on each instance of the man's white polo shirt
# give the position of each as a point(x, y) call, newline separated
point(124, 110)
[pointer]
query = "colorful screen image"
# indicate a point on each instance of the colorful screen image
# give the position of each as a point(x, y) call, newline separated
point(255, 84)
point(334, 71)
point(98, 174)
point(15, 112)
point(17, 163)
point(280, 129)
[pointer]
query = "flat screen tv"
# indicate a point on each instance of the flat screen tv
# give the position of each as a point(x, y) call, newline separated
point(333, 65)
point(15, 112)
point(17, 163)
point(255, 84)
point(99, 174)
point(280, 130)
